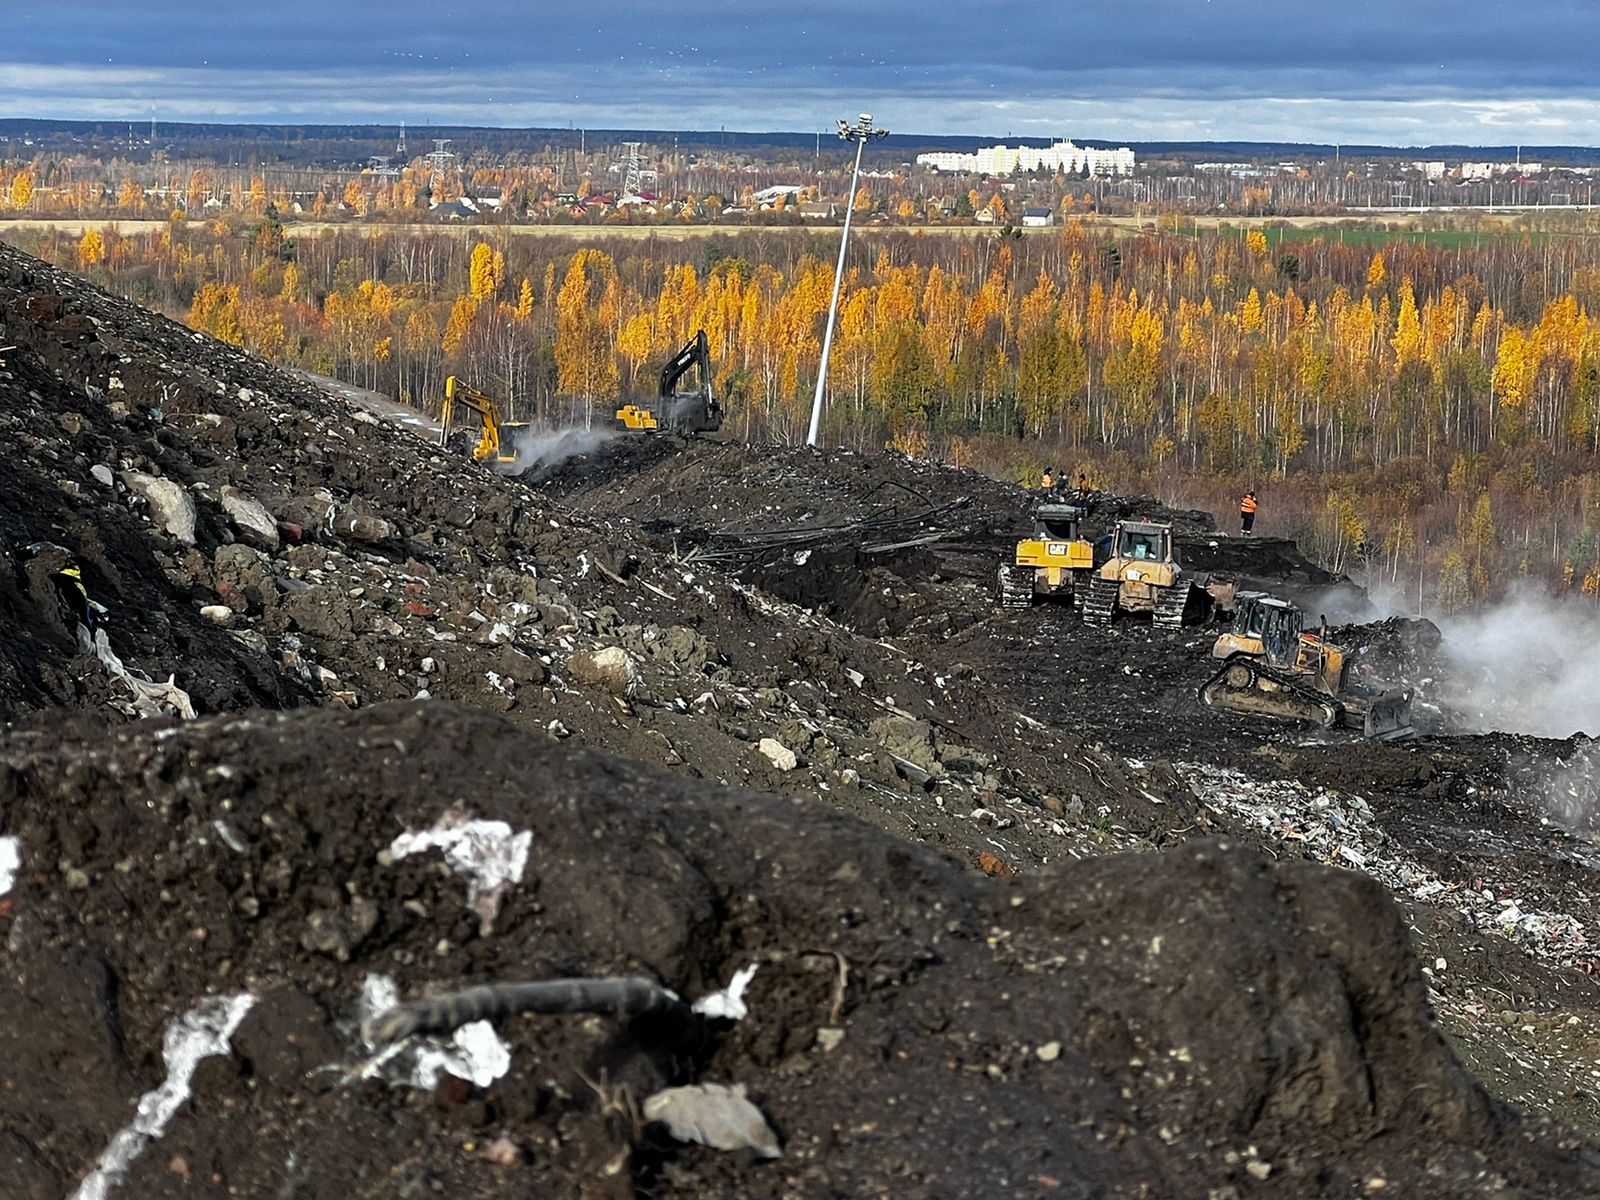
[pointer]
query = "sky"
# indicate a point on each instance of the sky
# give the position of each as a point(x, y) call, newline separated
point(1395, 72)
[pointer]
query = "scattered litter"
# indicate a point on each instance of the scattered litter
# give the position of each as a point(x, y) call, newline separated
point(150, 699)
point(10, 862)
point(728, 1004)
point(473, 1052)
point(714, 1115)
point(202, 1032)
point(487, 853)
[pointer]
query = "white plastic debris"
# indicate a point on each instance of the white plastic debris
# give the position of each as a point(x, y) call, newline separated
point(10, 862)
point(150, 699)
point(473, 1052)
point(714, 1115)
point(202, 1032)
point(729, 1002)
point(486, 853)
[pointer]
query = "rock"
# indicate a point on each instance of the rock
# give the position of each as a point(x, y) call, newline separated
point(609, 668)
point(908, 740)
point(360, 527)
point(779, 755)
point(102, 475)
point(715, 1115)
point(171, 507)
point(1048, 1052)
point(250, 517)
point(217, 614)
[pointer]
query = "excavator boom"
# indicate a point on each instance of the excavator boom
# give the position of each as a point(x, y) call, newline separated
point(695, 411)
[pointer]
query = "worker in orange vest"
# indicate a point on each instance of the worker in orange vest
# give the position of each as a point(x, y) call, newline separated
point(1247, 513)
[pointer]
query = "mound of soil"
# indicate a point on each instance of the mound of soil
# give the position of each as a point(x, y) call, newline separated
point(1200, 1021)
point(817, 626)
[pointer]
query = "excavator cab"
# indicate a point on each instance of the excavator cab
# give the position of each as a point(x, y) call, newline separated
point(693, 411)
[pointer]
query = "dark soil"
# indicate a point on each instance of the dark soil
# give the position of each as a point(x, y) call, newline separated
point(635, 648)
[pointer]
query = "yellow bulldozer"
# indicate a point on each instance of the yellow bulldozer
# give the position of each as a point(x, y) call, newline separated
point(1056, 561)
point(1141, 573)
point(1272, 667)
point(491, 447)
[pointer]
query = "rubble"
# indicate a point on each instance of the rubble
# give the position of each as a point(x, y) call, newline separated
point(850, 659)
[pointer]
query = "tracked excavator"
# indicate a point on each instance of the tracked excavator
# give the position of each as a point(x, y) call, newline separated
point(1271, 667)
point(1142, 574)
point(491, 446)
point(1057, 561)
point(692, 411)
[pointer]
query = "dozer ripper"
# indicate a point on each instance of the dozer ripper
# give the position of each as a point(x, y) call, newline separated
point(1055, 562)
point(1271, 667)
point(1142, 574)
point(692, 411)
point(491, 446)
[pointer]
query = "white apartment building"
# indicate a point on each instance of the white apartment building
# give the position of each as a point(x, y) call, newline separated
point(1062, 156)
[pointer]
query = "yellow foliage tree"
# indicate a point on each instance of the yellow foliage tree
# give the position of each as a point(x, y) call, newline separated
point(91, 248)
point(22, 190)
point(480, 284)
point(1378, 272)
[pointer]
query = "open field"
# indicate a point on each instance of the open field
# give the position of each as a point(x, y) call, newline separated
point(1364, 229)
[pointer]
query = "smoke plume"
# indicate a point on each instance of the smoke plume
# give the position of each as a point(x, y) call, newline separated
point(1528, 665)
point(541, 451)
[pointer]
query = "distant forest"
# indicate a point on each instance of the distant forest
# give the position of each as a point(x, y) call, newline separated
point(1429, 411)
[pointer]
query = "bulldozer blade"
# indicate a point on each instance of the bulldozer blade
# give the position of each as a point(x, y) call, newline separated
point(1388, 718)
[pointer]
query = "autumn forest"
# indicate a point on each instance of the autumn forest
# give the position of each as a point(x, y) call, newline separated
point(1426, 414)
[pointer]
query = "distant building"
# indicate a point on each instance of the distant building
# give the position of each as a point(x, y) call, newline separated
point(819, 210)
point(1061, 156)
point(1037, 217)
point(786, 192)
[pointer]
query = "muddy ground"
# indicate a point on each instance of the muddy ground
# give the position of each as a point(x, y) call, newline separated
point(1091, 947)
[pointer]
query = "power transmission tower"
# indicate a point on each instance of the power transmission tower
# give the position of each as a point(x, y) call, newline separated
point(440, 161)
point(635, 174)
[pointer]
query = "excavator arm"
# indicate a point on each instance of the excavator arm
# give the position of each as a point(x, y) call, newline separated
point(695, 411)
point(488, 413)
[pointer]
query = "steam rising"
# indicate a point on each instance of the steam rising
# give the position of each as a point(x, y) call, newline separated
point(1529, 665)
point(541, 451)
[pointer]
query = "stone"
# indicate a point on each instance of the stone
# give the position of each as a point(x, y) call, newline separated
point(250, 517)
point(609, 668)
point(360, 527)
point(217, 614)
point(102, 475)
point(779, 755)
point(171, 507)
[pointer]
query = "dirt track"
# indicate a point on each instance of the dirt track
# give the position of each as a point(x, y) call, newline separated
point(775, 641)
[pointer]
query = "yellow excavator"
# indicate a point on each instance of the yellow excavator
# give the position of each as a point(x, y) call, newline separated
point(1271, 667)
point(491, 446)
point(1142, 574)
point(1057, 561)
point(692, 411)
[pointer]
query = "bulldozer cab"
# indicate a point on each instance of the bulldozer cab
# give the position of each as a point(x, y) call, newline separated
point(1057, 522)
point(1142, 542)
point(1275, 623)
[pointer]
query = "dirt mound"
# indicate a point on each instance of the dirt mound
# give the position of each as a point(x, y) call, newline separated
point(1159, 1025)
point(817, 625)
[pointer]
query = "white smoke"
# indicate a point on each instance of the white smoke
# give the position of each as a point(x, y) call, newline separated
point(541, 451)
point(1528, 665)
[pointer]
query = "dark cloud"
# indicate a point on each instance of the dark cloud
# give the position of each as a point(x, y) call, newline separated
point(977, 67)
